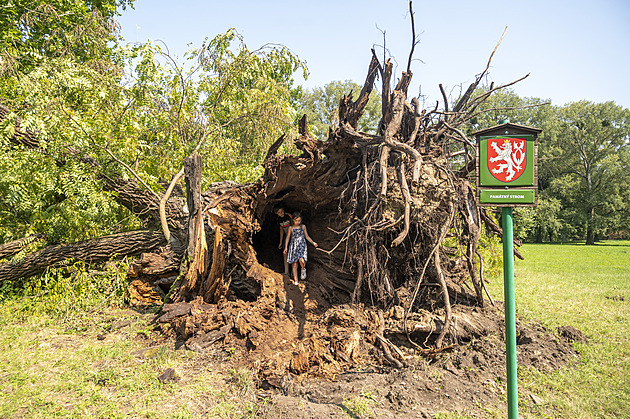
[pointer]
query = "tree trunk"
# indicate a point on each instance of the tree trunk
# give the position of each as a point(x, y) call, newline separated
point(15, 246)
point(197, 254)
point(90, 251)
point(590, 232)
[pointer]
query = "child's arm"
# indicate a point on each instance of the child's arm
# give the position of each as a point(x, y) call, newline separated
point(281, 237)
point(308, 237)
point(286, 241)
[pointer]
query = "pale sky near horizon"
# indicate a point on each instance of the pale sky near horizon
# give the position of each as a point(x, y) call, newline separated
point(573, 50)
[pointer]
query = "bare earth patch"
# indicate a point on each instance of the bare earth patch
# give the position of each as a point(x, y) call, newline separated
point(318, 359)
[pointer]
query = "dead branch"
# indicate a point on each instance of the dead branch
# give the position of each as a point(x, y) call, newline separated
point(413, 37)
point(462, 102)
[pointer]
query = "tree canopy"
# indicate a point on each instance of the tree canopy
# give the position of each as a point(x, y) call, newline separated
point(33, 29)
point(593, 157)
point(93, 108)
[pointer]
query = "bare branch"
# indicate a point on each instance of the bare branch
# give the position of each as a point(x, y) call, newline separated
point(413, 37)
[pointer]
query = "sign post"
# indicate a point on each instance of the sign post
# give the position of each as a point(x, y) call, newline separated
point(507, 176)
point(510, 311)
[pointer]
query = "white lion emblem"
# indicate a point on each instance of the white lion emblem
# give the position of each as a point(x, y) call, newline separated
point(512, 159)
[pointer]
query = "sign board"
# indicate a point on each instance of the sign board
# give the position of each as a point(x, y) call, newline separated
point(507, 172)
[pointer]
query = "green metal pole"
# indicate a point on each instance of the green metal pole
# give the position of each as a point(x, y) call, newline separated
point(510, 311)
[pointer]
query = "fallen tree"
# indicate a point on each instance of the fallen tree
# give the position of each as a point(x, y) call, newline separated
point(394, 213)
point(382, 207)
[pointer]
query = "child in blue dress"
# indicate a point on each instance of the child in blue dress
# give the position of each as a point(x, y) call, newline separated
point(295, 246)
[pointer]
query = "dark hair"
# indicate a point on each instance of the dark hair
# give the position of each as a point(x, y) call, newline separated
point(297, 214)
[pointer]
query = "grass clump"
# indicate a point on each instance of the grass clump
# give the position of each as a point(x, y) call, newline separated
point(361, 405)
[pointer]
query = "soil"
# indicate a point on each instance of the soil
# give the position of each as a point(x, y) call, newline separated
point(319, 358)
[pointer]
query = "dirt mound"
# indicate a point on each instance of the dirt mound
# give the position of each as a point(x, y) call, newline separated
point(465, 379)
point(314, 358)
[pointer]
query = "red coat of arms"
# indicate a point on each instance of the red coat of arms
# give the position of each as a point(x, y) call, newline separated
point(506, 158)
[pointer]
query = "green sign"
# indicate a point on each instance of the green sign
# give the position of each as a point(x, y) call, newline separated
point(508, 196)
point(506, 160)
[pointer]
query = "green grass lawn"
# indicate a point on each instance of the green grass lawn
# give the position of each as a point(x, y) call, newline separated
point(52, 367)
point(48, 369)
point(587, 287)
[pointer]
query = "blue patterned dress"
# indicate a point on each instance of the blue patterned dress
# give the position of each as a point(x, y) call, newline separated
point(297, 246)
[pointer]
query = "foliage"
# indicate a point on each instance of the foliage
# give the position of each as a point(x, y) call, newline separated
point(542, 223)
point(44, 190)
point(594, 157)
point(137, 116)
point(40, 197)
point(69, 291)
point(491, 250)
point(249, 100)
point(31, 30)
point(321, 106)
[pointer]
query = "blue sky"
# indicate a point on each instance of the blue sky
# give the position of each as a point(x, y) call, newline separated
point(574, 50)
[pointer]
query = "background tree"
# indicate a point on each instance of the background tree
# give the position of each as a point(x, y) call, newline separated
point(593, 155)
point(542, 223)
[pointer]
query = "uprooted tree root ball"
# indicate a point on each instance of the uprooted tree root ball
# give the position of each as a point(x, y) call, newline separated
point(383, 287)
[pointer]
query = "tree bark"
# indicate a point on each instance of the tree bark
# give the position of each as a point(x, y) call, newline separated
point(143, 203)
point(89, 251)
point(197, 255)
point(15, 246)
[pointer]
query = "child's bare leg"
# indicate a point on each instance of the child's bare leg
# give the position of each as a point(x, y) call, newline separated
point(295, 276)
point(303, 265)
point(286, 264)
